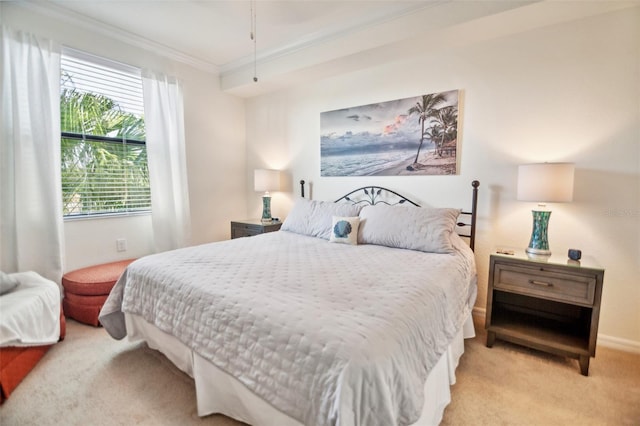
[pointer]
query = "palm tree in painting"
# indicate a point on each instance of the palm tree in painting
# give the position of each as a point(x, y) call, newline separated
point(447, 118)
point(425, 111)
point(435, 133)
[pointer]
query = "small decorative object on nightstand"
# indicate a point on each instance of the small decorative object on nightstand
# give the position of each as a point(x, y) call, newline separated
point(551, 305)
point(248, 228)
point(574, 254)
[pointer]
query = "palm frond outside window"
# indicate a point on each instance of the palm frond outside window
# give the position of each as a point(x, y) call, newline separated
point(104, 156)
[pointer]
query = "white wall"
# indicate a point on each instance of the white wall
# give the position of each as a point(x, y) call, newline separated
point(215, 145)
point(568, 92)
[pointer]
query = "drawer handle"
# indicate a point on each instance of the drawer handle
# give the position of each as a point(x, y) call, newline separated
point(541, 283)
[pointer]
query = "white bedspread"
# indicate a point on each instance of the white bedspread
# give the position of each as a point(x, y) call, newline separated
point(30, 314)
point(307, 325)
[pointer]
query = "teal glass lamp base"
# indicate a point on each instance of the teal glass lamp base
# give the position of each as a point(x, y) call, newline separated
point(266, 208)
point(539, 243)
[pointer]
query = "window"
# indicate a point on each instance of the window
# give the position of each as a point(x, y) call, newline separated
point(104, 156)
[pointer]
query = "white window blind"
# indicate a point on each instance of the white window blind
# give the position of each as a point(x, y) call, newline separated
point(93, 74)
point(104, 156)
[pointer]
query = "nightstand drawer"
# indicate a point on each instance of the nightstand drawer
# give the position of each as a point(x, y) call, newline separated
point(545, 283)
point(249, 228)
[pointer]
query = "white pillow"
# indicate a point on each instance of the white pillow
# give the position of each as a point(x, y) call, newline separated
point(314, 218)
point(344, 230)
point(7, 283)
point(408, 227)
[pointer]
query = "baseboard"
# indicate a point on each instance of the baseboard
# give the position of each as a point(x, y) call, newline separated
point(479, 315)
point(624, 345)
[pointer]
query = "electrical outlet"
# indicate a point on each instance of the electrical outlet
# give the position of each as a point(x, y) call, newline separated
point(121, 244)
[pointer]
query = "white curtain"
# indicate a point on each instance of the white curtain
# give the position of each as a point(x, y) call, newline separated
point(164, 122)
point(31, 227)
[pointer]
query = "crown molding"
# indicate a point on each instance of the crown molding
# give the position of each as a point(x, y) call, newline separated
point(93, 25)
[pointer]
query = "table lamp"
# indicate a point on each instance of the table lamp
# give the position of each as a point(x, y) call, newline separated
point(544, 183)
point(264, 181)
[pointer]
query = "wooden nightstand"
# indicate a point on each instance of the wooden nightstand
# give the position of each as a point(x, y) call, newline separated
point(552, 305)
point(247, 228)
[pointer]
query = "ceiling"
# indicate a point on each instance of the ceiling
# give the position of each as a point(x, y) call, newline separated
point(216, 33)
point(291, 35)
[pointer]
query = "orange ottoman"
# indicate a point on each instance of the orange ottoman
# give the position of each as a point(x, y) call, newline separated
point(86, 290)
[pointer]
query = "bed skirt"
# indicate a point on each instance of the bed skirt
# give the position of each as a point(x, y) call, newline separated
point(219, 392)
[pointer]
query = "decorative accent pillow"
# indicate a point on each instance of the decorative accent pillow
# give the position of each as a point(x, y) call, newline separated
point(408, 227)
point(7, 283)
point(345, 230)
point(314, 218)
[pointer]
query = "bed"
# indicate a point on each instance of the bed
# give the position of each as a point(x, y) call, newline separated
point(354, 313)
point(31, 322)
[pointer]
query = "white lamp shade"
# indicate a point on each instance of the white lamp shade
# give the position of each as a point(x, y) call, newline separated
point(546, 182)
point(265, 180)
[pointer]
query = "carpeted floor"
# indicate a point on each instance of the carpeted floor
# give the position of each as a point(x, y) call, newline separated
point(90, 379)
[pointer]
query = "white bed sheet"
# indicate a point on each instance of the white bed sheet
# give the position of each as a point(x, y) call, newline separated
point(219, 392)
point(30, 314)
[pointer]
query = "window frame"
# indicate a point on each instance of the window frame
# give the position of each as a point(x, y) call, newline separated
point(123, 68)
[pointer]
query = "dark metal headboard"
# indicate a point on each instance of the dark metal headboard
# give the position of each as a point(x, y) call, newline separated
point(373, 195)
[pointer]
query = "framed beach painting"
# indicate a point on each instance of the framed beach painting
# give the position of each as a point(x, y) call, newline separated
point(414, 136)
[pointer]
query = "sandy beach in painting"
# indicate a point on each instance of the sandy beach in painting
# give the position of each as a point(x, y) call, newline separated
point(428, 164)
